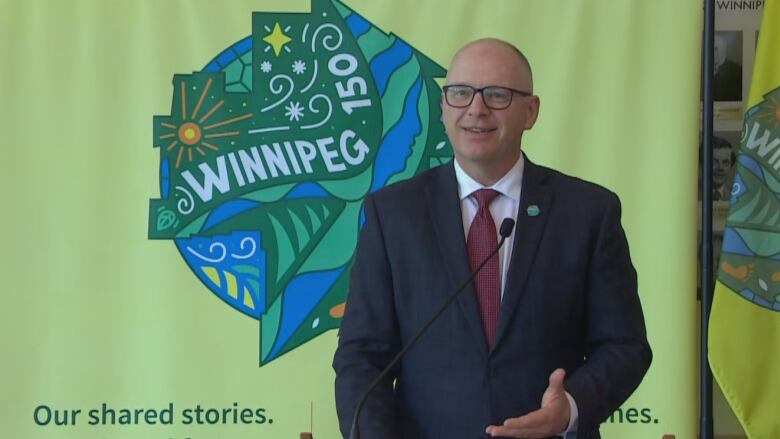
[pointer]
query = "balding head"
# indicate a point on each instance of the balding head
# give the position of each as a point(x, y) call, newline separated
point(500, 48)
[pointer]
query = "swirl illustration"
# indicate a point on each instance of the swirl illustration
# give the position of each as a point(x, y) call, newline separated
point(277, 89)
point(185, 206)
point(268, 129)
point(313, 109)
point(313, 78)
point(248, 254)
point(210, 257)
point(304, 32)
point(327, 38)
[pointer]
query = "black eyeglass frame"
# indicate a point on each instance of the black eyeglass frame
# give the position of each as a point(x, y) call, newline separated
point(480, 90)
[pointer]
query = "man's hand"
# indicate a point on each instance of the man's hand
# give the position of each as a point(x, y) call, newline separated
point(551, 419)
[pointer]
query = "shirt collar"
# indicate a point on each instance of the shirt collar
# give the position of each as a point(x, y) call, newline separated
point(509, 185)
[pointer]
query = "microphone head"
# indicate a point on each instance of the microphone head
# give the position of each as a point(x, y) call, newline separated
point(506, 227)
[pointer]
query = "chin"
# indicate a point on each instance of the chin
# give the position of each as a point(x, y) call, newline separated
point(476, 157)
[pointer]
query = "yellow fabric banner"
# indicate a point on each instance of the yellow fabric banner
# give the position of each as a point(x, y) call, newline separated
point(745, 320)
point(159, 282)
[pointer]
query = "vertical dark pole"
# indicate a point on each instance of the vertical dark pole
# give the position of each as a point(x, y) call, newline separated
point(705, 376)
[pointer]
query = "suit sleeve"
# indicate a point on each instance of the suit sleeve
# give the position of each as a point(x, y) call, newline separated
point(368, 337)
point(617, 351)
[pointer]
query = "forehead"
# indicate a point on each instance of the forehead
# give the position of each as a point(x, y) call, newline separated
point(483, 64)
point(723, 152)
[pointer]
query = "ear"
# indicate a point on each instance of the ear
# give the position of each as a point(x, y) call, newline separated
point(532, 111)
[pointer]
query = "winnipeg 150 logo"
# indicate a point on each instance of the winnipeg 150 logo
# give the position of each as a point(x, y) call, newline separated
point(268, 153)
point(750, 262)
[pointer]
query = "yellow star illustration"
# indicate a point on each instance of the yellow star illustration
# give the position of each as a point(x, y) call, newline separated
point(277, 39)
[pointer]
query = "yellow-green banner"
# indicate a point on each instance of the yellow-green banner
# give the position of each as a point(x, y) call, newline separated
point(182, 184)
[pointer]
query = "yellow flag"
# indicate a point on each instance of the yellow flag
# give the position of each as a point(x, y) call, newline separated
point(745, 320)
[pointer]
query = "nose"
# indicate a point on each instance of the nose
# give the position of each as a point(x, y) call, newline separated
point(478, 106)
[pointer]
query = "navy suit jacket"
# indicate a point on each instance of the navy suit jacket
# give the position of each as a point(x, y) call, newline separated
point(570, 300)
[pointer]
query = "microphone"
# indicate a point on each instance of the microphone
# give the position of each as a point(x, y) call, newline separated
point(505, 231)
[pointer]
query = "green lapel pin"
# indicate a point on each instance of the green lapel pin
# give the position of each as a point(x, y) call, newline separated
point(532, 210)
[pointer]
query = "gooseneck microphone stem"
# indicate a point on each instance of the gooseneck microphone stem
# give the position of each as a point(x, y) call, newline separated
point(505, 231)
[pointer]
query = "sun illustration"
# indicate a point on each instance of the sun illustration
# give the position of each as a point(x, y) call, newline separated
point(194, 133)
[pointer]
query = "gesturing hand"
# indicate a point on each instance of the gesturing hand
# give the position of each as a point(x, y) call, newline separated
point(552, 417)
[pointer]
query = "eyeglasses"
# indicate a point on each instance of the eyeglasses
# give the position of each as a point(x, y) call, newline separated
point(494, 96)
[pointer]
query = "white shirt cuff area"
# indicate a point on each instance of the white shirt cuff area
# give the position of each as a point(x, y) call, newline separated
point(571, 429)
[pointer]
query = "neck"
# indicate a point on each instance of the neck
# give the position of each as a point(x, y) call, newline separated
point(487, 174)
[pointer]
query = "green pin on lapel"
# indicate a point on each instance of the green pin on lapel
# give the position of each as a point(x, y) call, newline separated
point(532, 210)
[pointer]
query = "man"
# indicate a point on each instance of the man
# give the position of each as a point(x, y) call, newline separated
point(723, 158)
point(727, 80)
point(549, 338)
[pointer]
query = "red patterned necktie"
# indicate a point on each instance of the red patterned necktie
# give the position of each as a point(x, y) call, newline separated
point(482, 240)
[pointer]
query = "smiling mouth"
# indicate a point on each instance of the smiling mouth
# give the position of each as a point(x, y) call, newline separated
point(478, 130)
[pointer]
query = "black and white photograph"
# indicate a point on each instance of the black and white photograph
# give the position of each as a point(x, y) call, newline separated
point(728, 66)
point(725, 145)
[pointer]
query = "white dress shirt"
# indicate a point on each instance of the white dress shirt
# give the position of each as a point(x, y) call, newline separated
point(505, 205)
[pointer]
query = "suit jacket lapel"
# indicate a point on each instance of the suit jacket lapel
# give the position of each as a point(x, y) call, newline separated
point(532, 216)
point(444, 207)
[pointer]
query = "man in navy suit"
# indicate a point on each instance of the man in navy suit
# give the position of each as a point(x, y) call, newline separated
point(549, 342)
